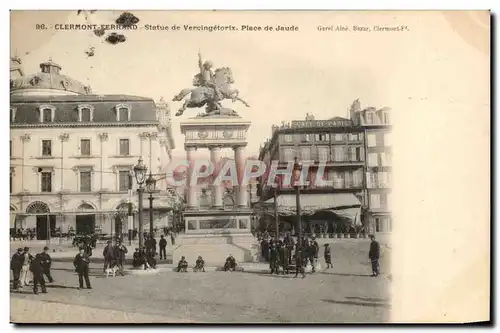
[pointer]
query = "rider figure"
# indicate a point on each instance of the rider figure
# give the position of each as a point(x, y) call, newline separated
point(207, 77)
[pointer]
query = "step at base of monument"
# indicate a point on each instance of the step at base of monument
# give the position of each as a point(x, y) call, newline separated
point(216, 248)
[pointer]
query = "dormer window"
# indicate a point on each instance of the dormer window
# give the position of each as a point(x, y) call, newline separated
point(85, 113)
point(123, 112)
point(386, 117)
point(47, 113)
point(369, 118)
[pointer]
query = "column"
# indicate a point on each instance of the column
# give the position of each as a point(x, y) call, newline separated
point(241, 191)
point(216, 188)
point(191, 192)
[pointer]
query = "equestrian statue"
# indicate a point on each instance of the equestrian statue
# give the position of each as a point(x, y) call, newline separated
point(212, 87)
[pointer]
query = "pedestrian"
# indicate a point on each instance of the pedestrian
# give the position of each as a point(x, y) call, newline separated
point(25, 269)
point(153, 242)
point(109, 255)
point(284, 258)
point(119, 255)
point(314, 252)
point(299, 261)
point(88, 246)
point(274, 260)
point(230, 264)
point(46, 263)
point(38, 269)
point(16, 264)
point(182, 265)
point(81, 263)
point(200, 265)
point(163, 247)
point(374, 256)
point(328, 256)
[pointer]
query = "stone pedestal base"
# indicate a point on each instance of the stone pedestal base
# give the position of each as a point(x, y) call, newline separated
point(216, 234)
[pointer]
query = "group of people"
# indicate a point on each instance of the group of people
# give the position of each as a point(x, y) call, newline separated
point(182, 266)
point(26, 268)
point(146, 256)
point(22, 234)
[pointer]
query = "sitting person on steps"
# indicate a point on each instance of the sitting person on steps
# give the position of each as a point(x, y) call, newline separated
point(182, 265)
point(230, 264)
point(200, 265)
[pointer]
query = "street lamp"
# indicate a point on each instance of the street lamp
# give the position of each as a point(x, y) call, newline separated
point(297, 168)
point(140, 176)
point(276, 216)
point(150, 186)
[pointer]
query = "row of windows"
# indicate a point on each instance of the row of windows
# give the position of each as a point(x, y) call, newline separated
point(385, 139)
point(379, 159)
point(323, 137)
point(85, 147)
point(325, 154)
point(378, 179)
point(85, 181)
point(371, 118)
point(380, 200)
point(85, 114)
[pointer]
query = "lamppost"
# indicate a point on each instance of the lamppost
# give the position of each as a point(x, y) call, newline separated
point(276, 216)
point(297, 168)
point(140, 176)
point(150, 186)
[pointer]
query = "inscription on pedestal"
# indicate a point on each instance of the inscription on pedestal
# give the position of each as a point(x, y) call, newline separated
point(218, 224)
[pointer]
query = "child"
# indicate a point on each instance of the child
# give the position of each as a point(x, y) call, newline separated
point(182, 265)
point(200, 265)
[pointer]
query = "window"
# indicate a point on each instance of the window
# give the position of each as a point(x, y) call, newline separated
point(377, 224)
point(124, 147)
point(372, 160)
point(372, 140)
point(339, 137)
point(369, 118)
point(338, 153)
point(306, 138)
point(383, 180)
point(383, 159)
point(323, 154)
point(383, 200)
point(387, 139)
point(46, 148)
point(348, 179)
point(359, 154)
point(46, 178)
point(85, 181)
point(338, 180)
point(374, 200)
point(123, 114)
point(288, 138)
point(322, 137)
point(357, 178)
point(386, 118)
point(85, 115)
point(288, 155)
point(46, 115)
point(353, 136)
point(352, 154)
point(85, 147)
point(305, 153)
point(371, 180)
point(123, 181)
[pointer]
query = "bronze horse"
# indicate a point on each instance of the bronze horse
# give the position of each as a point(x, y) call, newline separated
point(203, 95)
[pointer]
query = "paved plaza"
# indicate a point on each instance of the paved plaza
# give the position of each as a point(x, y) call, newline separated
point(345, 293)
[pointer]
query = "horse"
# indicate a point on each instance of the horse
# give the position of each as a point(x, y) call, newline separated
point(205, 95)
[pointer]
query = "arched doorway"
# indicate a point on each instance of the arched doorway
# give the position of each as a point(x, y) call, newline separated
point(85, 223)
point(45, 223)
point(121, 220)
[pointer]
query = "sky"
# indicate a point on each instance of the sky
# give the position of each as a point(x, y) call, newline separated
point(283, 75)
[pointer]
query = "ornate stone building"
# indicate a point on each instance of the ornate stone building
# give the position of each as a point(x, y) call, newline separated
point(72, 151)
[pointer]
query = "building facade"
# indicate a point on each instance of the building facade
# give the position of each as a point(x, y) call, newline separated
point(72, 152)
point(356, 152)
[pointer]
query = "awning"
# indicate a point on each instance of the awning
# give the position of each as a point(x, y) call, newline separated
point(344, 205)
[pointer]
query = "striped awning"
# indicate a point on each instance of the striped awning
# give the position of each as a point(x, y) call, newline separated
point(343, 205)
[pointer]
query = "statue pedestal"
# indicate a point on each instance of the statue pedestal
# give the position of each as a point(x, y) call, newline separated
point(216, 234)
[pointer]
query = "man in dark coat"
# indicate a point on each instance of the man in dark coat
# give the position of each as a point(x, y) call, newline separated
point(264, 246)
point(313, 253)
point(81, 264)
point(328, 256)
point(299, 261)
point(374, 256)
point(274, 259)
point(163, 247)
point(138, 258)
point(153, 242)
point(16, 263)
point(109, 255)
point(119, 255)
point(38, 269)
point(46, 262)
point(284, 258)
point(289, 243)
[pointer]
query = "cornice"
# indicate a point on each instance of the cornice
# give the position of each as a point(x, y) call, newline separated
point(91, 124)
